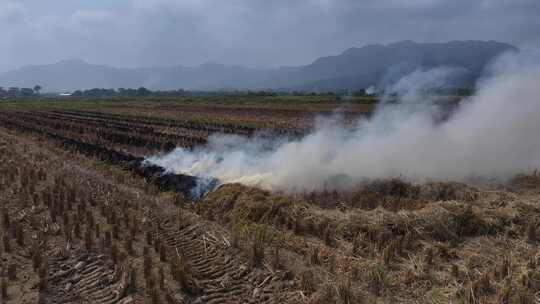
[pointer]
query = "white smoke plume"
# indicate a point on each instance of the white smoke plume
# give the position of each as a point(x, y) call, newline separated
point(492, 134)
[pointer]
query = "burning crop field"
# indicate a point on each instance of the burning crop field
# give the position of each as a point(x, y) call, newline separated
point(404, 196)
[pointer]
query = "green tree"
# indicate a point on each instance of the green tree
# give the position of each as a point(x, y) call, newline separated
point(143, 91)
point(37, 88)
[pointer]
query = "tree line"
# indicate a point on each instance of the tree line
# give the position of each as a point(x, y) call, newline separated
point(19, 92)
point(144, 92)
point(121, 92)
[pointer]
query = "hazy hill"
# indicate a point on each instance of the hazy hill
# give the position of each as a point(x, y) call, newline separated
point(77, 74)
point(353, 69)
point(374, 64)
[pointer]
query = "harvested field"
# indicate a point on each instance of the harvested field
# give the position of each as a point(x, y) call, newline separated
point(83, 221)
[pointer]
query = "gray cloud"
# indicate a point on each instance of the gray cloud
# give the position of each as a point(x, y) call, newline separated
point(248, 32)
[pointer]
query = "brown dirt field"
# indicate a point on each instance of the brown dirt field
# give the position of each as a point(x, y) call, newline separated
point(79, 227)
point(92, 234)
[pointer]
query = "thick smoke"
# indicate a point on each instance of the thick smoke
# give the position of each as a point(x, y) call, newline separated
point(493, 134)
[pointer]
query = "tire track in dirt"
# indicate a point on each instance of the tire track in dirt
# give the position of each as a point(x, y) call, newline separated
point(216, 267)
point(85, 277)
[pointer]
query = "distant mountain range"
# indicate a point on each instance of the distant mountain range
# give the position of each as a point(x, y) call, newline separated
point(355, 68)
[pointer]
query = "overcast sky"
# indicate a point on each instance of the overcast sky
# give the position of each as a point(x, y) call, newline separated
point(257, 33)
